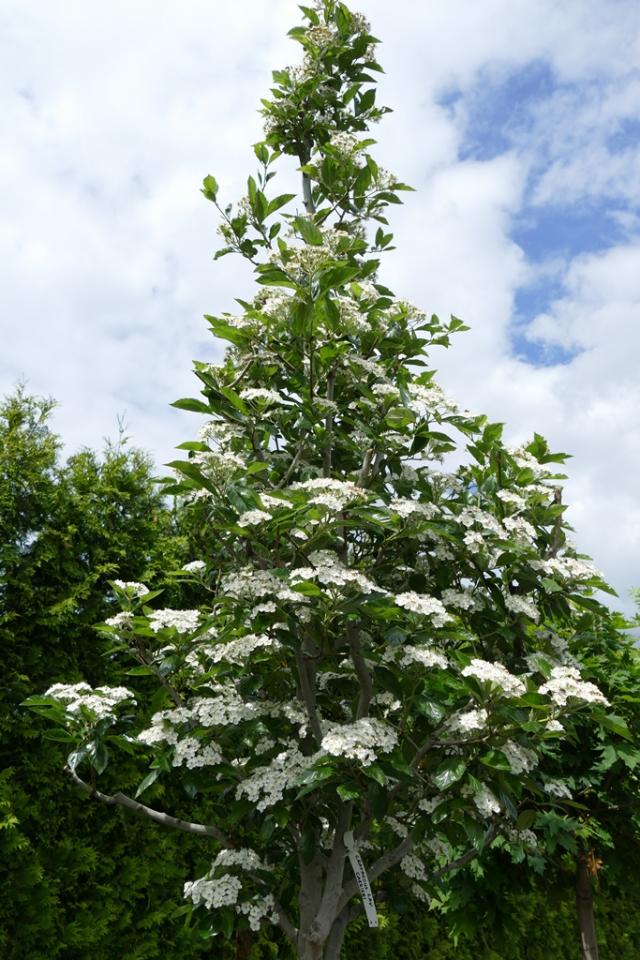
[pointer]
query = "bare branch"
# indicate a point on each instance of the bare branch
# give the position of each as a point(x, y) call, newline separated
point(466, 857)
point(291, 468)
point(307, 690)
point(366, 684)
point(122, 800)
point(328, 423)
point(364, 469)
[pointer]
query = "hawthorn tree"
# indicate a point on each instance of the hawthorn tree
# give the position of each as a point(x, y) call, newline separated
point(357, 705)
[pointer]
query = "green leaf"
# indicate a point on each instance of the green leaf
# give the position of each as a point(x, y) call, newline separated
point(309, 232)
point(150, 778)
point(189, 403)
point(59, 735)
point(525, 819)
point(617, 725)
point(97, 755)
point(449, 772)
point(280, 201)
point(210, 188)
point(348, 792)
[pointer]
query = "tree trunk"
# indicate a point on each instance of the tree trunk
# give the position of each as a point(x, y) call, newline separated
point(584, 903)
point(309, 949)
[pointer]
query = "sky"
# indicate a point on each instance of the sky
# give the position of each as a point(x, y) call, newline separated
point(517, 122)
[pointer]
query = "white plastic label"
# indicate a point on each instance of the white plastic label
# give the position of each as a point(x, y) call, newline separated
point(360, 873)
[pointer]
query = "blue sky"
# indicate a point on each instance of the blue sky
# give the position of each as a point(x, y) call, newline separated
point(517, 122)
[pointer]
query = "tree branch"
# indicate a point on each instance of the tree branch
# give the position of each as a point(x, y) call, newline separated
point(328, 425)
point(366, 685)
point(308, 693)
point(122, 800)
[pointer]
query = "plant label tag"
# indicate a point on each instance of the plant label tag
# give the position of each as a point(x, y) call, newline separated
point(360, 873)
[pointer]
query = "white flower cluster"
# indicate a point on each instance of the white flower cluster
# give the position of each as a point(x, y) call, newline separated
point(425, 656)
point(344, 143)
point(406, 507)
point(486, 802)
point(413, 867)
point(495, 673)
point(101, 702)
point(461, 599)
point(192, 752)
point(469, 721)
point(196, 566)
point(219, 432)
point(218, 465)
point(353, 320)
point(512, 498)
point(251, 518)
point(334, 494)
point(184, 621)
point(266, 785)
point(518, 604)
point(261, 393)
point(426, 400)
point(519, 528)
point(569, 568)
point(566, 682)
point(425, 605)
point(385, 390)
point(555, 788)
point(361, 740)
point(224, 890)
point(162, 726)
point(329, 570)
point(521, 759)
point(470, 516)
point(221, 892)
point(235, 651)
point(252, 584)
point(122, 619)
point(131, 587)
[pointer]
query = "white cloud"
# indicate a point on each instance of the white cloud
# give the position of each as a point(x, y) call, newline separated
point(112, 114)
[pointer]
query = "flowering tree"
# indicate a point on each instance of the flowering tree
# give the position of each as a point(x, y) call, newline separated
point(362, 685)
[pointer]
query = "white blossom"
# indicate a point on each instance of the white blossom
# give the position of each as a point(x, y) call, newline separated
point(405, 507)
point(361, 740)
point(122, 619)
point(184, 621)
point(486, 802)
point(101, 701)
point(510, 497)
point(518, 604)
point(195, 566)
point(131, 587)
point(423, 604)
point(469, 721)
point(462, 599)
point(566, 682)
point(426, 656)
point(220, 892)
point(261, 393)
point(252, 517)
point(555, 788)
point(192, 752)
point(329, 570)
point(521, 759)
point(334, 494)
point(235, 651)
point(495, 673)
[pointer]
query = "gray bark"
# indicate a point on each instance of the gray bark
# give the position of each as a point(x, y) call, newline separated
point(584, 904)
